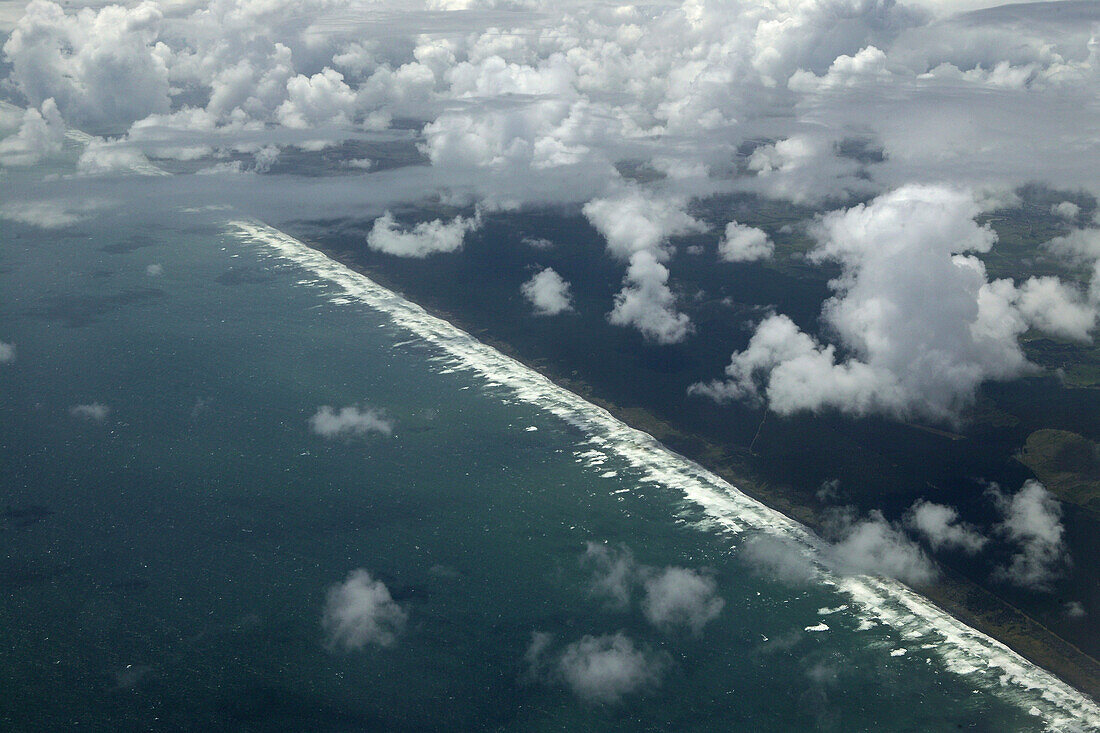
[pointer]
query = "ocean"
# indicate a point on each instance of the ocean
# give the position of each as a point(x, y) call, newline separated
point(177, 526)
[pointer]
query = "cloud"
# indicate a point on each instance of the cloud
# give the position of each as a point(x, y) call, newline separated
point(1075, 610)
point(547, 293)
point(1066, 210)
point(7, 352)
point(94, 411)
point(105, 68)
point(360, 611)
point(154, 270)
point(40, 135)
point(349, 421)
point(426, 238)
point(1033, 522)
point(742, 243)
point(672, 596)
point(774, 557)
point(940, 525)
point(648, 304)
point(1054, 307)
point(681, 597)
point(323, 98)
point(636, 221)
point(613, 573)
point(920, 323)
point(604, 669)
point(536, 652)
point(48, 214)
point(107, 157)
point(873, 546)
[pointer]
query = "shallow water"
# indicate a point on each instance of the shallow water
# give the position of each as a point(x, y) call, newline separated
point(176, 571)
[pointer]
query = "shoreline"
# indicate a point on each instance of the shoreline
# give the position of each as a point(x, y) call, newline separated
point(962, 599)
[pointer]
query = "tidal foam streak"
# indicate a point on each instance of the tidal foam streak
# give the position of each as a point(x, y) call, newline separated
point(964, 650)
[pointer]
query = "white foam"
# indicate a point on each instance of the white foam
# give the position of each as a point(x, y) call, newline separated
point(964, 650)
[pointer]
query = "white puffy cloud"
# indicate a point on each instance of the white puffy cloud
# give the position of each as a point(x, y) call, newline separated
point(742, 243)
point(845, 71)
point(681, 597)
point(49, 214)
point(547, 293)
point(1067, 210)
point(1033, 521)
point(1056, 308)
point(7, 352)
point(1081, 246)
point(323, 98)
point(360, 611)
point(604, 669)
point(349, 421)
point(783, 560)
point(873, 546)
point(113, 157)
point(105, 67)
point(613, 573)
point(920, 324)
point(940, 525)
point(636, 222)
point(426, 238)
point(40, 135)
point(648, 304)
point(94, 411)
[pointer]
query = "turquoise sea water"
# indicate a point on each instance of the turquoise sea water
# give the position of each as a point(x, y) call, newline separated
point(166, 567)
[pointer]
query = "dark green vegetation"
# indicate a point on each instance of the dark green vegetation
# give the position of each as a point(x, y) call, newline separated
point(876, 463)
point(1067, 463)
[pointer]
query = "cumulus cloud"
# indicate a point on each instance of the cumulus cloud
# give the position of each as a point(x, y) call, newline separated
point(648, 304)
point(360, 611)
point(604, 669)
point(349, 421)
point(940, 525)
point(874, 546)
point(613, 573)
point(774, 557)
point(671, 596)
point(7, 352)
point(94, 411)
point(323, 98)
point(919, 323)
point(1066, 210)
point(40, 135)
point(1075, 610)
point(49, 214)
point(105, 68)
point(105, 157)
point(742, 243)
point(681, 597)
point(426, 238)
point(1033, 522)
point(636, 222)
point(547, 293)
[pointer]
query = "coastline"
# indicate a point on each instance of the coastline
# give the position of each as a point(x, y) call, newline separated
point(962, 599)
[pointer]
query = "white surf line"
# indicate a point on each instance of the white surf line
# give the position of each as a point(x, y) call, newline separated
point(964, 650)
